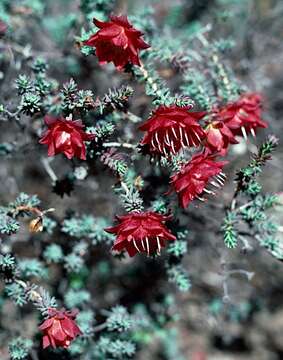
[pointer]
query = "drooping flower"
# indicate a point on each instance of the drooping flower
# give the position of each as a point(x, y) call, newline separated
point(60, 328)
point(117, 41)
point(171, 128)
point(191, 181)
point(65, 136)
point(141, 232)
point(218, 137)
point(243, 116)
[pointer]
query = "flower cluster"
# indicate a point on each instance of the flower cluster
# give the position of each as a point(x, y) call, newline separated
point(169, 130)
point(59, 329)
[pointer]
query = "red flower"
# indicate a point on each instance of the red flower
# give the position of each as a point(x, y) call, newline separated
point(59, 329)
point(218, 137)
point(191, 181)
point(141, 232)
point(65, 136)
point(117, 41)
point(243, 116)
point(171, 128)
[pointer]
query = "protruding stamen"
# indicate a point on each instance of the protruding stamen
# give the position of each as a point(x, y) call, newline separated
point(158, 244)
point(173, 148)
point(215, 184)
point(187, 139)
point(200, 198)
point(167, 139)
point(147, 245)
point(181, 135)
point(244, 133)
point(174, 133)
point(143, 247)
point(197, 136)
point(209, 191)
point(135, 244)
point(158, 142)
point(253, 132)
point(223, 175)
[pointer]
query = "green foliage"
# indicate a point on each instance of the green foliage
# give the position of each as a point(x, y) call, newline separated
point(76, 298)
point(119, 319)
point(117, 349)
point(88, 226)
point(19, 348)
point(16, 293)
point(53, 253)
point(229, 231)
point(32, 268)
point(179, 276)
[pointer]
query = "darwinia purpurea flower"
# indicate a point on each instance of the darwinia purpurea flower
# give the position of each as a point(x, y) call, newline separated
point(191, 181)
point(141, 232)
point(117, 41)
point(60, 328)
point(171, 128)
point(243, 116)
point(65, 136)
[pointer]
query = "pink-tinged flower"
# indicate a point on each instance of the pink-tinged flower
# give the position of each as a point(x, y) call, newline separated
point(65, 136)
point(117, 41)
point(244, 115)
point(60, 328)
point(218, 137)
point(191, 181)
point(171, 128)
point(141, 232)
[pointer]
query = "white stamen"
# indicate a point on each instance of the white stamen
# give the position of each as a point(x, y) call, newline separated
point(158, 244)
point(253, 132)
point(147, 245)
point(136, 246)
point(197, 136)
point(187, 139)
point(200, 198)
point(174, 133)
point(208, 191)
point(181, 135)
point(173, 148)
point(167, 139)
point(215, 184)
point(142, 245)
point(244, 133)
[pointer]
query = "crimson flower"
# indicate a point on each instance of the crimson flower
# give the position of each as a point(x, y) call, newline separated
point(60, 328)
point(218, 137)
point(141, 232)
point(171, 128)
point(191, 181)
point(117, 41)
point(65, 136)
point(244, 115)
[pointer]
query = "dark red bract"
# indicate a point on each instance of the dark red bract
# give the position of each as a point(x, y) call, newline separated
point(243, 116)
point(171, 128)
point(191, 181)
point(141, 232)
point(117, 41)
point(218, 137)
point(60, 328)
point(65, 136)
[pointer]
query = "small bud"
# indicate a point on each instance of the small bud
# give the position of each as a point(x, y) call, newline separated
point(36, 225)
